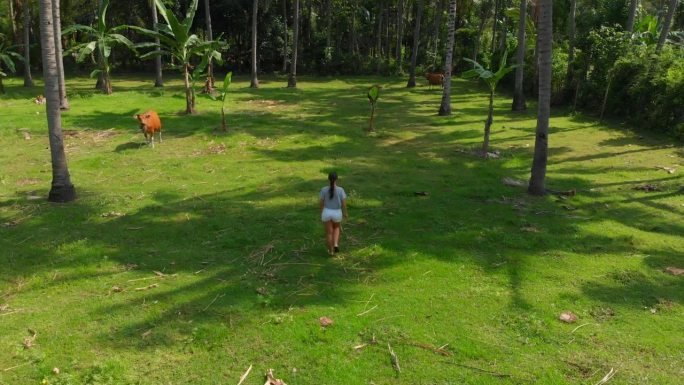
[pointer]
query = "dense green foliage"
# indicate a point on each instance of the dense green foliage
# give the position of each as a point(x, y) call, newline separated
point(477, 268)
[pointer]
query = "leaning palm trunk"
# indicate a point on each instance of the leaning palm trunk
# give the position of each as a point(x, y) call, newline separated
point(445, 107)
point(416, 42)
point(292, 79)
point(255, 10)
point(541, 144)
point(519, 95)
point(671, 8)
point(63, 101)
point(28, 79)
point(62, 190)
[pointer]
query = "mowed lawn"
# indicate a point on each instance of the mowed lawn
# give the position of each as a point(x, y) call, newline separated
point(189, 262)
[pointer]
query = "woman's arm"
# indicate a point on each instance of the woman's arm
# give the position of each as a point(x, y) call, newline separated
point(321, 204)
point(344, 208)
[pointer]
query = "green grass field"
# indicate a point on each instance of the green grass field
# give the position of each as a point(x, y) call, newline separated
point(187, 263)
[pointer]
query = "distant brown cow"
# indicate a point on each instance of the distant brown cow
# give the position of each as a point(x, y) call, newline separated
point(435, 79)
point(149, 124)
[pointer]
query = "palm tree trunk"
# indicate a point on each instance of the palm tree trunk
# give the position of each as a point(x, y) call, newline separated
point(478, 39)
point(28, 79)
point(519, 94)
point(158, 79)
point(495, 26)
point(286, 37)
point(438, 25)
point(61, 190)
point(571, 46)
point(189, 94)
point(328, 28)
point(488, 124)
point(210, 36)
point(63, 101)
point(378, 33)
point(255, 11)
point(400, 33)
point(292, 79)
point(416, 43)
point(671, 8)
point(445, 106)
point(12, 16)
point(541, 144)
point(633, 4)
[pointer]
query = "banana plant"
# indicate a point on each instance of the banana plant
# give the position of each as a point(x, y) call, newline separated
point(176, 40)
point(373, 95)
point(102, 39)
point(7, 58)
point(491, 79)
point(223, 92)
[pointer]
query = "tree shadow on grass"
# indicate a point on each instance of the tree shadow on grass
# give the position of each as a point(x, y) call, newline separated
point(219, 243)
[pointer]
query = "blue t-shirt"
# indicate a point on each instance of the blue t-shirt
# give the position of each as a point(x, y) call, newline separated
point(336, 202)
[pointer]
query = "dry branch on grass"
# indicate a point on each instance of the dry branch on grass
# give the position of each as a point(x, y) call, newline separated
point(439, 350)
point(271, 380)
point(257, 256)
point(394, 359)
point(607, 377)
point(30, 340)
point(489, 372)
point(244, 376)
point(148, 287)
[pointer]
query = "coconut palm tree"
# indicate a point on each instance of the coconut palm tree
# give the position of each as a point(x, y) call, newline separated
point(541, 143)
point(671, 8)
point(255, 11)
point(292, 79)
point(63, 101)
point(28, 79)
point(519, 94)
point(176, 40)
point(62, 189)
point(445, 106)
point(102, 40)
point(416, 42)
point(158, 78)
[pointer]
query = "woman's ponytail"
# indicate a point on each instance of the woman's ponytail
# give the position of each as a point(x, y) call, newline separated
point(332, 177)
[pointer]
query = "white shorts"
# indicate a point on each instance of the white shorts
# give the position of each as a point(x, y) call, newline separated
point(331, 215)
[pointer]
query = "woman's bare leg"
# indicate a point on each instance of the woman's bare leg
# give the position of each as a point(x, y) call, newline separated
point(329, 240)
point(336, 234)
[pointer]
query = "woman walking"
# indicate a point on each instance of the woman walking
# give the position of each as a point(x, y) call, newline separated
point(333, 204)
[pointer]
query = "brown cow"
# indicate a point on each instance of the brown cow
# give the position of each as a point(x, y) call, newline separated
point(435, 79)
point(149, 124)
